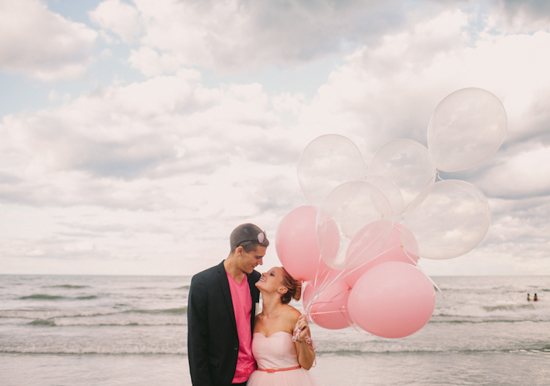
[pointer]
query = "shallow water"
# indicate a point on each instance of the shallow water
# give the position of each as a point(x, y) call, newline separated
point(102, 330)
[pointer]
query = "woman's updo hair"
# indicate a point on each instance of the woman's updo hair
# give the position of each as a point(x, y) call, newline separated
point(294, 288)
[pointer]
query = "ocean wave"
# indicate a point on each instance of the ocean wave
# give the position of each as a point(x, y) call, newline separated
point(90, 297)
point(509, 307)
point(52, 323)
point(41, 297)
point(177, 311)
point(56, 297)
point(485, 321)
point(42, 322)
point(39, 314)
point(69, 286)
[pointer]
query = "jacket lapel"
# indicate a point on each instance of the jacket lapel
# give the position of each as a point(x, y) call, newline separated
point(224, 283)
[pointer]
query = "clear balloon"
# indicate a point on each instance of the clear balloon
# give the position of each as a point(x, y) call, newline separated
point(296, 243)
point(466, 128)
point(392, 300)
point(451, 221)
point(326, 162)
point(392, 251)
point(390, 190)
point(407, 163)
point(343, 213)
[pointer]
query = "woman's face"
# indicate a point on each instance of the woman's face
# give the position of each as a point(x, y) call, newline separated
point(271, 280)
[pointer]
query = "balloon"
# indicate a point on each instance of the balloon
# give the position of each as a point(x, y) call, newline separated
point(325, 163)
point(392, 251)
point(345, 210)
point(451, 221)
point(296, 243)
point(392, 300)
point(407, 163)
point(329, 310)
point(466, 128)
point(390, 190)
point(368, 242)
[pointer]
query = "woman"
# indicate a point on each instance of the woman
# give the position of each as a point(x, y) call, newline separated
point(281, 342)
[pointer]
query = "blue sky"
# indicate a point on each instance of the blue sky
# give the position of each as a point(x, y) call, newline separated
point(137, 134)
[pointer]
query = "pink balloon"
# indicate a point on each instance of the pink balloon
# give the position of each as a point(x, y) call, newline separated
point(392, 251)
point(392, 300)
point(296, 243)
point(329, 310)
point(368, 243)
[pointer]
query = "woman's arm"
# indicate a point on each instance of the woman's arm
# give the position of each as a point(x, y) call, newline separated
point(306, 355)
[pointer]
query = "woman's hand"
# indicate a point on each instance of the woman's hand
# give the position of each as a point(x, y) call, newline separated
point(305, 348)
point(301, 324)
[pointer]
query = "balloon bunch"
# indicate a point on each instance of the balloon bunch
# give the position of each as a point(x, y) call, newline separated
point(357, 245)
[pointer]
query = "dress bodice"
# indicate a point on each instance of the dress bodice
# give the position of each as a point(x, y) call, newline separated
point(274, 352)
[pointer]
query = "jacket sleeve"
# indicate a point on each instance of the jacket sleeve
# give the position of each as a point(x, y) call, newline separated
point(197, 333)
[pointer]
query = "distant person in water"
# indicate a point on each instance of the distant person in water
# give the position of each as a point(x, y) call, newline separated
point(535, 298)
point(528, 297)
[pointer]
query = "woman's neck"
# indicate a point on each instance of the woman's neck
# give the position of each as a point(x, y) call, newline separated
point(271, 304)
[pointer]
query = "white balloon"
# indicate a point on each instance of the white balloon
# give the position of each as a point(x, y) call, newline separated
point(390, 190)
point(326, 162)
point(407, 163)
point(466, 128)
point(451, 221)
point(344, 213)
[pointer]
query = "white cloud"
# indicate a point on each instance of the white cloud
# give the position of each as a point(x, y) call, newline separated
point(150, 63)
point(235, 35)
point(525, 173)
point(41, 44)
point(121, 18)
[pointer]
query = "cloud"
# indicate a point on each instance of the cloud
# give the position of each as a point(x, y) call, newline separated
point(234, 35)
point(522, 16)
point(524, 173)
point(120, 18)
point(145, 146)
point(41, 44)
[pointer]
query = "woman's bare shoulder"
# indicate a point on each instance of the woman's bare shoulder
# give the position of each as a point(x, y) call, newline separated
point(292, 314)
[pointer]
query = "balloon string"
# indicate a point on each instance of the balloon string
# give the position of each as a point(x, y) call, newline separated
point(433, 177)
point(421, 270)
point(324, 286)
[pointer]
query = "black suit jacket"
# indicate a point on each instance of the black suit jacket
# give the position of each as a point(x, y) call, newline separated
point(212, 339)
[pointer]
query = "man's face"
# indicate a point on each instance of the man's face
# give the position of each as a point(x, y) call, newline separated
point(247, 261)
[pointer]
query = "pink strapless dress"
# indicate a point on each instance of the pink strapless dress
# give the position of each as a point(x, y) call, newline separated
point(278, 352)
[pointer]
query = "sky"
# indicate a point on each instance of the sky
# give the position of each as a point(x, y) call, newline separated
point(135, 135)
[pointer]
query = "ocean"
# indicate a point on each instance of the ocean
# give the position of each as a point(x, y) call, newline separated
point(131, 330)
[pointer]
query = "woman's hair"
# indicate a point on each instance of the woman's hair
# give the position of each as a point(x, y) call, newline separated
point(294, 288)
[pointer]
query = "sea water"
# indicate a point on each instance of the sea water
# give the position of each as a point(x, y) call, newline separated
point(128, 330)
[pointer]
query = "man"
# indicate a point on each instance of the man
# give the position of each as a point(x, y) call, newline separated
point(221, 310)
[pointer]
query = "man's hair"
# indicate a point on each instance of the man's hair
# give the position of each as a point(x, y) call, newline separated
point(246, 236)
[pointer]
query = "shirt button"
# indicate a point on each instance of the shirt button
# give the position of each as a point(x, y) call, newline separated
point(236, 349)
